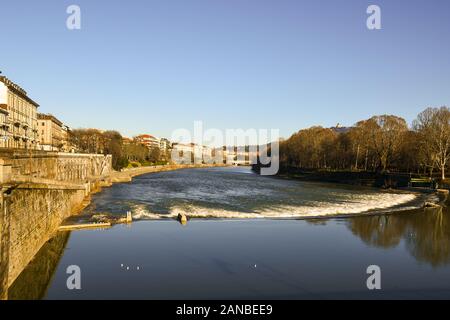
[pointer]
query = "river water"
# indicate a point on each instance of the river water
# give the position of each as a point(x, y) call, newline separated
point(237, 192)
point(274, 239)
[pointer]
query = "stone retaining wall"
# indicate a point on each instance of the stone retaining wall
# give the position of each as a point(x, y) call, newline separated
point(34, 216)
point(39, 190)
point(56, 166)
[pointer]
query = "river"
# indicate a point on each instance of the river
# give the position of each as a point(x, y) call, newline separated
point(237, 192)
point(267, 238)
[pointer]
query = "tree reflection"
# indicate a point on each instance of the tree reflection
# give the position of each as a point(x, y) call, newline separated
point(317, 222)
point(426, 233)
point(428, 237)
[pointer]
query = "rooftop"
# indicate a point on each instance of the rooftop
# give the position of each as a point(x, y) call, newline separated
point(144, 136)
point(17, 90)
point(43, 116)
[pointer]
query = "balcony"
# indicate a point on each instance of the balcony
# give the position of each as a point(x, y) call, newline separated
point(4, 110)
point(4, 125)
point(5, 136)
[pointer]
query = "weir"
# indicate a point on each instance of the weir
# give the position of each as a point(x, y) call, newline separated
point(38, 191)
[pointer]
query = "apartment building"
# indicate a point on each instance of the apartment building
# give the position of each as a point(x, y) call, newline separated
point(148, 140)
point(51, 133)
point(66, 140)
point(164, 144)
point(18, 117)
point(183, 153)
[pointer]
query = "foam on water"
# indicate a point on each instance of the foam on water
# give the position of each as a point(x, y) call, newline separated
point(358, 204)
point(239, 193)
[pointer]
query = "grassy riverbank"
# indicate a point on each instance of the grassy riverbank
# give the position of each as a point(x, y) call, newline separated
point(362, 178)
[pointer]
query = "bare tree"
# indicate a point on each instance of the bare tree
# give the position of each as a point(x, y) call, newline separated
point(433, 126)
point(385, 134)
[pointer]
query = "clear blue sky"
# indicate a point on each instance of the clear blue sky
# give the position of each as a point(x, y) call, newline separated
point(154, 66)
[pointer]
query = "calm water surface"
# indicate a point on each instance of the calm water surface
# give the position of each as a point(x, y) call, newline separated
point(246, 257)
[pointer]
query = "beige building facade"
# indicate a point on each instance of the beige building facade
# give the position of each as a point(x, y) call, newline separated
point(52, 135)
point(68, 145)
point(18, 117)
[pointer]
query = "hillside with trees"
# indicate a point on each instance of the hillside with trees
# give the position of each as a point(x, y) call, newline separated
point(383, 143)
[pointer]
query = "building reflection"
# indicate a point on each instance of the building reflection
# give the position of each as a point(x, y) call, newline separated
point(34, 280)
point(426, 233)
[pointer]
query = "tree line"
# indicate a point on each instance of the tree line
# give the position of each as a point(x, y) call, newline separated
point(380, 144)
point(131, 153)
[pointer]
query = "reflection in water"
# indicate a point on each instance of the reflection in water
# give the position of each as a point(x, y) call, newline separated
point(258, 258)
point(33, 282)
point(426, 233)
point(317, 221)
point(429, 237)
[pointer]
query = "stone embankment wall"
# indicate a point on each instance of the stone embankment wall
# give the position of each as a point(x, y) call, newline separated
point(35, 167)
point(39, 190)
point(33, 282)
point(35, 214)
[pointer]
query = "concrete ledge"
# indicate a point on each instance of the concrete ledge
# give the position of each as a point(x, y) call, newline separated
point(52, 186)
point(84, 226)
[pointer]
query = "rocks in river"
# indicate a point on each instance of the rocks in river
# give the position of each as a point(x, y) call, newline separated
point(182, 218)
point(100, 218)
point(111, 218)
